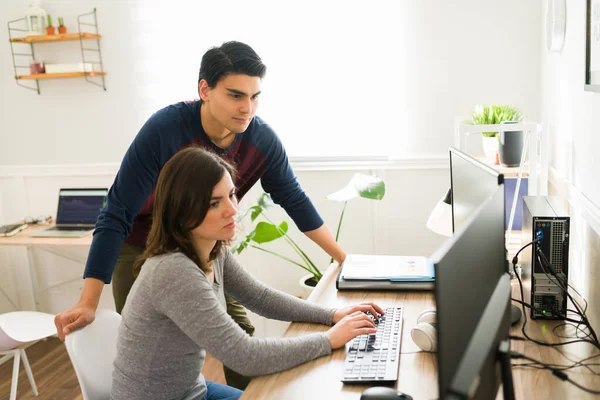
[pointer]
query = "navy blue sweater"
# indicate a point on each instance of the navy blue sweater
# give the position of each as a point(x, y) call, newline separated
point(257, 153)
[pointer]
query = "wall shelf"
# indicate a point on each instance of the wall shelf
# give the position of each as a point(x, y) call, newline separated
point(60, 75)
point(89, 54)
point(508, 172)
point(537, 149)
point(56, 38)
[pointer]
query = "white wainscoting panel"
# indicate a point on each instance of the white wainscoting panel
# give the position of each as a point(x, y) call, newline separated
point(394, 225)
point(584, 242)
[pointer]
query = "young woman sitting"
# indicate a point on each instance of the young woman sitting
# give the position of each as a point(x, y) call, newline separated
point(176, 309)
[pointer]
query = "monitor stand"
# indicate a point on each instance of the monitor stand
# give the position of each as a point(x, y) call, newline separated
point(515, 314)
point(508, 388)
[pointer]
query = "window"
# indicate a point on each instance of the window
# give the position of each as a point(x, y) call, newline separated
point(335, 83)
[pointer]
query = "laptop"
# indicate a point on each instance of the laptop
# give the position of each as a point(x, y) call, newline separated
point(78, 210)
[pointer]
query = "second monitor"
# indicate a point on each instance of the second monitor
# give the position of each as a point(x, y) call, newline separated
point(473, 289)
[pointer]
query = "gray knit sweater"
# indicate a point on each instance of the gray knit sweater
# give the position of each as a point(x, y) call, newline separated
point(174, 314)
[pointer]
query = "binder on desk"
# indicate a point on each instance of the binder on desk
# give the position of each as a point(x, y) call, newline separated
point(385, 273)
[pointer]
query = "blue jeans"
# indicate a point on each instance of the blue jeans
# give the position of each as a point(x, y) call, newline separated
point(217, 391)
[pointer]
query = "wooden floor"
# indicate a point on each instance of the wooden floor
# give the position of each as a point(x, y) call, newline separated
point(52, 370)
point(55, 377)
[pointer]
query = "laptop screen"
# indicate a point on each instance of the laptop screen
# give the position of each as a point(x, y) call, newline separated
point(80, 206)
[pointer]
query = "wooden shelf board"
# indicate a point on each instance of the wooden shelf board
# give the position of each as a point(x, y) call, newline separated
point(60, 75)
point(509, 172)
point(56, 38)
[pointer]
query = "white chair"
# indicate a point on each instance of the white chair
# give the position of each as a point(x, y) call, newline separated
point(18, 330)
point(92, 350)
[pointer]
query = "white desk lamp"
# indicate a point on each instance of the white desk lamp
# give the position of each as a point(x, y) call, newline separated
point(440, 220)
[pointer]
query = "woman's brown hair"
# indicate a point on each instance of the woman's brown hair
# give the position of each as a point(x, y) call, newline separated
point(181, 200)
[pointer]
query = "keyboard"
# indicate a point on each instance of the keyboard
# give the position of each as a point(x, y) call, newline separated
point(375, 357)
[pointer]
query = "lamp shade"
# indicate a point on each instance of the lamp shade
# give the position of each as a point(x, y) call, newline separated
point(440, 220)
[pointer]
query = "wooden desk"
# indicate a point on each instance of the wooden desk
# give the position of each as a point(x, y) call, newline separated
point(320, 379)
point(541, 384)
point(24, 238)
point(56, 246)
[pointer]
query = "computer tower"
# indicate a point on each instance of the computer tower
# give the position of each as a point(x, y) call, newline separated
point(544, 218)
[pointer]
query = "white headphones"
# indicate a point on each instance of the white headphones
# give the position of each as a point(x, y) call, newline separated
point(424, 333)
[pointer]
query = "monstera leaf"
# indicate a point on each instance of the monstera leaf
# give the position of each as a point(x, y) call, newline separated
point(361, 185)
point(266, 232)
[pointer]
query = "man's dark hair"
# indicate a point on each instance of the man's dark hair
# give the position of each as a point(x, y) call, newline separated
point(230, 58)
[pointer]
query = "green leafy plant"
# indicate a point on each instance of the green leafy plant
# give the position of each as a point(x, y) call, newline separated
point(61, 22)
point(49, 18)
point(495, 114)
point(264, 230)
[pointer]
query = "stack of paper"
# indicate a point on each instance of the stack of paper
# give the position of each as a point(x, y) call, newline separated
point(386, 272)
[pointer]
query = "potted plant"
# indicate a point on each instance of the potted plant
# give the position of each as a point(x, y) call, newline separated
point(62, 29)
point(493, 115)
point(265, 230)
point(511, 143)
point(49, 28)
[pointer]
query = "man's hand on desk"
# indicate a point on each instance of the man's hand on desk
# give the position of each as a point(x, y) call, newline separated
point(370, 307)
point(73, 319)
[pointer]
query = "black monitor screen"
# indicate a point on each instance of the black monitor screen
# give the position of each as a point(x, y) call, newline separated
point(80, 206)
point(472, 182)
point(468, 271)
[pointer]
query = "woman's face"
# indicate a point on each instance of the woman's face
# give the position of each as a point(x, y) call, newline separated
point(219, 223)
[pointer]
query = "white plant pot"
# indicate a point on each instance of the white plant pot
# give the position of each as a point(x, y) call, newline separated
point(305, 290)
point(490, 146)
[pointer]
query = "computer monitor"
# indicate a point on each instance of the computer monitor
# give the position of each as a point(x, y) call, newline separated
point(473, 299)
point(472, 182)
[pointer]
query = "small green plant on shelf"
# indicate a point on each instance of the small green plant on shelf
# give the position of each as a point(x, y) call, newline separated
point(62, 29)
point(494, 114)
point(265, 231)
point(49, 28)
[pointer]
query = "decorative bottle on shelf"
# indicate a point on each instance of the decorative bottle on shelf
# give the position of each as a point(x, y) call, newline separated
point(35, 18)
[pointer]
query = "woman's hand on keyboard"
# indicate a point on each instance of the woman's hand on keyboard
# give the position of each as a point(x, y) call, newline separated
point(369, 307)
point(349, 327)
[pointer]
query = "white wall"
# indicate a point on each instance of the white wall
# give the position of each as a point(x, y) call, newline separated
point(574, 119)
point(72, 121)
point(467, 52)
point(458, 54)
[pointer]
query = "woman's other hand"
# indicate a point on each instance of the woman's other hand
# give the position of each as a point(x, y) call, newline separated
point(370, 307)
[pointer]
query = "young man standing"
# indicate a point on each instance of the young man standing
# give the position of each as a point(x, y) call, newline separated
point(222, 121)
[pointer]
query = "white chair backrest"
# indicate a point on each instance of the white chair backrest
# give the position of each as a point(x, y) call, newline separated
point(92, 351)
point(21, 327)
point(6, 342)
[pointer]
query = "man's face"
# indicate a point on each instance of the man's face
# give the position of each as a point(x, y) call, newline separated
point(232, 103)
